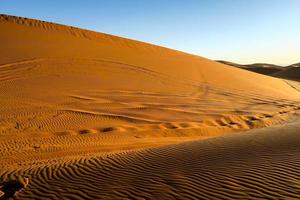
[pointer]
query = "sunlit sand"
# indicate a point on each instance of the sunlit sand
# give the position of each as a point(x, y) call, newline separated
point(86, 115)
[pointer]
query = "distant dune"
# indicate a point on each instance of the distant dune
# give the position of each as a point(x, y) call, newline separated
point(294, 65)
point(290, 72)
point(87, 115)
point(261, 68)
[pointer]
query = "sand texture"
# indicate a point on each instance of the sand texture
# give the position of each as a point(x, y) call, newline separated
point(86, 115)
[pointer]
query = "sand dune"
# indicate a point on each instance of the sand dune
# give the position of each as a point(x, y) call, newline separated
point(80, 106)
point(291, 73)
point(261, 68)
point(257, 164)
point(294, 65)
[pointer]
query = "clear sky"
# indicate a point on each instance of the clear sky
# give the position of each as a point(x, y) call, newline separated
point(243, 31)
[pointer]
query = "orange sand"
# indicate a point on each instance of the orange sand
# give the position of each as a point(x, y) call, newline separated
point(81, 113)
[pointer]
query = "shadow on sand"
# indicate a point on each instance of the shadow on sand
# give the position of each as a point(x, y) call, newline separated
point(9, 189)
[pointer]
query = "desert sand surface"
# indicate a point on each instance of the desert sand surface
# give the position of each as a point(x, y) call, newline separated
point(261, 164)
point(86, 115)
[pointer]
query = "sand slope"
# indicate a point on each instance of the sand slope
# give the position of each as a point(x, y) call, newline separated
point(257, 164)
point(70, 97)
point(57, 78)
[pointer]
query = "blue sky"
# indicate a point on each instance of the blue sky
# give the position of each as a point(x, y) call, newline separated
point(243, 31)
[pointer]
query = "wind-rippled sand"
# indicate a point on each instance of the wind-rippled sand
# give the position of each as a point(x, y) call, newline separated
point(85, 115)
